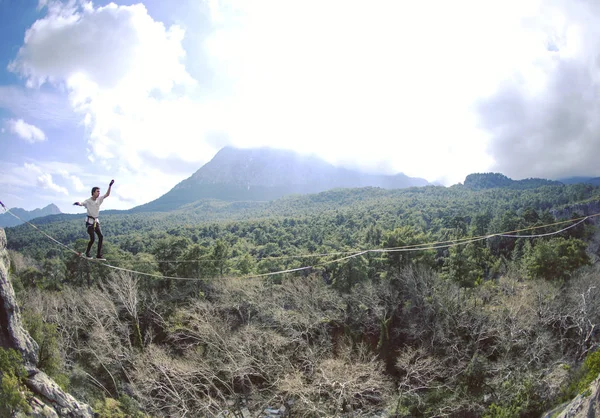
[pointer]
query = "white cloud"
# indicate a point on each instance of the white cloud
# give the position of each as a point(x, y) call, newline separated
point(31, 185)
point(43, 179)
point(392, 82)
point(75, 181)
point(125, 76)
point(397, 85)
point(25, 131)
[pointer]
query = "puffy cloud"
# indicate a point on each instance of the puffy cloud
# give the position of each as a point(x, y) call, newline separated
point(44, 180)
point(125, 75)
point(75, 181)
point(112, 48)
point(25, 131)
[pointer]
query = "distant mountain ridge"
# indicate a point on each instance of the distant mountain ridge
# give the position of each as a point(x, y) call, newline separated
point(480, 181)
point(594, 181)
point(7, 220)
point(260, 174)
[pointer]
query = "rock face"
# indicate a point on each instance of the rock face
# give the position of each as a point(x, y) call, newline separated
point(50, 400)
point(12, 334)
point(582, 209)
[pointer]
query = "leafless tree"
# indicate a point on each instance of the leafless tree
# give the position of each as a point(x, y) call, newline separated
point(353, 382)
point(122, 289)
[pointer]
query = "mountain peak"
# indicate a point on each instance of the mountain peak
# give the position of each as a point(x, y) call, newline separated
point(266, 174)
point(7, 220)
point(258, 167)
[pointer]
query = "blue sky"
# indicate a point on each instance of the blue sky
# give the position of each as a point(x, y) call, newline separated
point(147, 92)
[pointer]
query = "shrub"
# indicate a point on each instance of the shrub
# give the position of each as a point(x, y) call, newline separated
point(591, 368)
point(46, 336)
point(582, 377)
point(13, 393)
point(124, 407)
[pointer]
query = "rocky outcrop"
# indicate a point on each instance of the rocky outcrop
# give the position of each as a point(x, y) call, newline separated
point(585, 405)
point(580, 209)
point(49, 399)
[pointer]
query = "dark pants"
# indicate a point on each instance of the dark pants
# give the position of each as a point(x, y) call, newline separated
point(91, 229)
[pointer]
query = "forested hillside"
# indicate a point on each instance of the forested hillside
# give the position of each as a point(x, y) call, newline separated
point(471, 324)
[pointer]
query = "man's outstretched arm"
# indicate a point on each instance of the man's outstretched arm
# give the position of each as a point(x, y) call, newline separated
point(108, 191)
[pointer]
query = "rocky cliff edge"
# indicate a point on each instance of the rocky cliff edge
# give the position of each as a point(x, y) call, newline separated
point(49, 399)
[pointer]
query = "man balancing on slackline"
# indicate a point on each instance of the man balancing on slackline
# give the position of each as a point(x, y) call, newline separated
point(92, 222)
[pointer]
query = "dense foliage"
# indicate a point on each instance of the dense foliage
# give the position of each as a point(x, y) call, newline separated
point(476, 324)
point(13, 393)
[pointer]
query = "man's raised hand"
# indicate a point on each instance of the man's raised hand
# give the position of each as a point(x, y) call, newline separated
point(111, 183)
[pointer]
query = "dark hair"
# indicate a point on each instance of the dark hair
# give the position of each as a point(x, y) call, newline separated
point(94, 189)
